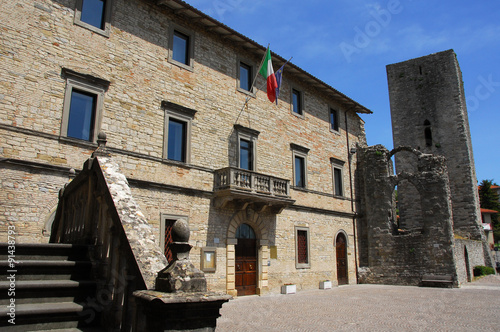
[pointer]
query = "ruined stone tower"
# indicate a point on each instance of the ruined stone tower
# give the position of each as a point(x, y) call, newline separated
point(428, 113)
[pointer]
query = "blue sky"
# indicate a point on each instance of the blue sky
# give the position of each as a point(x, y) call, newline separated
point(348, 43)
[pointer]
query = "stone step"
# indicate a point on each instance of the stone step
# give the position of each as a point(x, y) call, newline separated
point(52, 288)
point(44, 251)
point(31, 291)
point(45, 269)
point(46, 316)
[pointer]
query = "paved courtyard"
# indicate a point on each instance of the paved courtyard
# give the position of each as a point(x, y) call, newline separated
point(475, 306)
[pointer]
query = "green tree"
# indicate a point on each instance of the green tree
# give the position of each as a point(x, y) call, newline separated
point(489, 199)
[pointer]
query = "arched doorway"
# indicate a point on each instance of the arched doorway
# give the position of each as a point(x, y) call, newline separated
point(246, 261)
point(341, 250)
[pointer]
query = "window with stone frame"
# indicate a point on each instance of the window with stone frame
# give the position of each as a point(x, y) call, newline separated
point(338, 176)
point(83, 106)
point(247, 147)
point(334, 120)
point(94, 15)
point(181, 45)
point(302, 259)
point(297, 102)
point(166, 224)
point(299, 155)
point(177, 132)
point(245, 77)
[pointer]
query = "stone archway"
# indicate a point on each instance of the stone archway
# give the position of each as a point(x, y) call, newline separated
point(253, 219)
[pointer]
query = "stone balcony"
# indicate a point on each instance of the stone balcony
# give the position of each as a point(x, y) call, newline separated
point(238, 188)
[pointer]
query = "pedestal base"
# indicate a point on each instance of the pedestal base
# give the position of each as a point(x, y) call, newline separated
point(158, 311)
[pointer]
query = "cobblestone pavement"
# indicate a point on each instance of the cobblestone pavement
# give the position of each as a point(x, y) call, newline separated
point(475, 306)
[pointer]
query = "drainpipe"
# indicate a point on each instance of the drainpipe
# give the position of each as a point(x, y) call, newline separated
point(349, 157)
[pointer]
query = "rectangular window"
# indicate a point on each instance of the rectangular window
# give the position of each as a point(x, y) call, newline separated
point(246, 154)
point(299, 155)
point(177, 132)
point(297, 102)
point(83, 104)
point(167, 222)
point(81, 115)
point(338, 176)
point(247, 148)
point(334, 120)
point(177, 140)
point(299, 168)
point(167, 250)
point(245, 76)
point(337, 181)
point(302, 259)
point(94, 15)
point(180, 49)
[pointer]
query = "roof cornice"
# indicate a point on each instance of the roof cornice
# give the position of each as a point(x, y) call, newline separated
point(210, 24)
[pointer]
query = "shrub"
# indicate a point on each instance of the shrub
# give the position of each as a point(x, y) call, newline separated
point(481, 270)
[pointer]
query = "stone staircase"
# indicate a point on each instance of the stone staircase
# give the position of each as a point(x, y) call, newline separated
point(53, 288)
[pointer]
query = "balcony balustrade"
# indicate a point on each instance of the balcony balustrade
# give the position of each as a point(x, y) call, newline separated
point(235, 185)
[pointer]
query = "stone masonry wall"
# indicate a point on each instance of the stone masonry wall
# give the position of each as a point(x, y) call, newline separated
point(394, 257)
point(39, 39)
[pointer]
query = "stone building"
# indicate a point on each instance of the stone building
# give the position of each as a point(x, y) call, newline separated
point(267, 189)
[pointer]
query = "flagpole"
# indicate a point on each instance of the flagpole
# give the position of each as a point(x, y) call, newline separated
point(253, 83)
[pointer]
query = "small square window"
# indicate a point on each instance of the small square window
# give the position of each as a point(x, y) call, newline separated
point(181, 46)
point(177, 133)
point(302, 259)
point(94, 15)
point(83, 104)
point(297, 102)
point(245, 76)
point(334, 120)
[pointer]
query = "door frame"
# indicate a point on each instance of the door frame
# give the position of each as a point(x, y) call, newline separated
point(346, 238)
point(252, 218)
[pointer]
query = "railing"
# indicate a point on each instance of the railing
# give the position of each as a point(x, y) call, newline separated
point(236, 178)
point(86, 214)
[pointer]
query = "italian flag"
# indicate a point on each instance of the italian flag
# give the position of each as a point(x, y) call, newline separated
point(268, 72)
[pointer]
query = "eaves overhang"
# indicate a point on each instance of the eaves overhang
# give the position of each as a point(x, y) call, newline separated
point(183, 9)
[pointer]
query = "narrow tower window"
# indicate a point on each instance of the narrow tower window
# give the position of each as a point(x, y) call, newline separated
point(427, 133)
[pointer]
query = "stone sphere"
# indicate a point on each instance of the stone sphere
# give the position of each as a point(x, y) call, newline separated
point(180, 231)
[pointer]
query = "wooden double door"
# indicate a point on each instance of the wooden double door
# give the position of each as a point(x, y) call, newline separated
point(246, 267)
